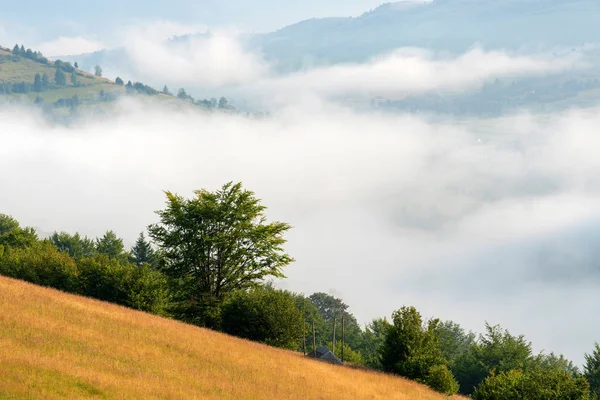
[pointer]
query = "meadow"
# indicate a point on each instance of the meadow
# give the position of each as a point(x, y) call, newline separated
point(55, 345)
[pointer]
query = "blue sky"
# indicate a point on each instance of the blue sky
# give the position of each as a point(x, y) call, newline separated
point(42, 20)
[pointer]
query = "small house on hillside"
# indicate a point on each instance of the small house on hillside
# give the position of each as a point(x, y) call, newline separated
point(324, 354)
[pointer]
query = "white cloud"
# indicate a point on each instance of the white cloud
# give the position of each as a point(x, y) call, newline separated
point(69, 46)
point(409, 71)
point(213, 61)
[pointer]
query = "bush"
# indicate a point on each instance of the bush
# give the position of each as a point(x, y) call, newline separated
point(537, 384)
point(441, 379)
point(123, 283)
point(264, 315)
point(41, 264)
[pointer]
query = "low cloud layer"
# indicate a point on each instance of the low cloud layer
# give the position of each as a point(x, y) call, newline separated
point(474, 221)
point(411, 71)
point(69, 46)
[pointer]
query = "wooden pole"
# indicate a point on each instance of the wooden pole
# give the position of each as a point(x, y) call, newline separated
point(342, 337)
point(333, 341)
point(314, 340)
point(303, 328)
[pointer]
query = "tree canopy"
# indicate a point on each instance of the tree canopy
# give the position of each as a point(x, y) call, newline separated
point(216, 243)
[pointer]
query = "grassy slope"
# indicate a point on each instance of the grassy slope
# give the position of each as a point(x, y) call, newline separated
point(24, 71)
point(54, 346)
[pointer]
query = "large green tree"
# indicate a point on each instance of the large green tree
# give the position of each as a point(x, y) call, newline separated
point(332, 308)
point(372, 341)
point(495, 351)
point(37, 83)
point(13, 235)
point(591, 370)
point(60, 77)
point(111, 245)
point(74, 245)
point(454, 340)
point(142, 252)
point(411, 347)
point(216, 243)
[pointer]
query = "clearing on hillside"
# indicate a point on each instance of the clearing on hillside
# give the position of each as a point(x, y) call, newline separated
point(55, 346)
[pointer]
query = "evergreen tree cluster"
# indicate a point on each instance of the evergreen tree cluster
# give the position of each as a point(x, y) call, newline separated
point(19, 51)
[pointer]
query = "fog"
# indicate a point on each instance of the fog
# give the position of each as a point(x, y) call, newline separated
point(466, 222)
point(469, 220)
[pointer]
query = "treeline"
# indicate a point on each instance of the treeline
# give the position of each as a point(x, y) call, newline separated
point(208, 261)
point(19, 51)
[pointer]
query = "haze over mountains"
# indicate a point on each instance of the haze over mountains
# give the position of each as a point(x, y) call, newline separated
point(447, 29)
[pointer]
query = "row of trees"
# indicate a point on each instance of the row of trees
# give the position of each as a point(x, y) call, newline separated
point(210, 263)
point(19, 51)
point(222, 103)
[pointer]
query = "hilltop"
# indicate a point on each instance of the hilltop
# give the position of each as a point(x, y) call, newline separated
point(55, 345)
point(60, 87)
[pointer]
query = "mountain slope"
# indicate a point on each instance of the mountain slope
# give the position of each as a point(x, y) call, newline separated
point(15, 70)
point(55, 346)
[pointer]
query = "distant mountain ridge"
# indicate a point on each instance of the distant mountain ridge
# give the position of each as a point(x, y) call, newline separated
point(440, 25)
point(448, 25)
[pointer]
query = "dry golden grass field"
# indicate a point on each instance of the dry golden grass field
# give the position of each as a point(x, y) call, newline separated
point(59, 346)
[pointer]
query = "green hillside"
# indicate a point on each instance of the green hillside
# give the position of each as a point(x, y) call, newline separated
point(60, 88)
point(20, 71)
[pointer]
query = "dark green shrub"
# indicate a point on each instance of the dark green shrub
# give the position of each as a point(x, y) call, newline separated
point(123, 283)
point(41, 264)
point(537, 384)
point(441, 379)
point(264, 315)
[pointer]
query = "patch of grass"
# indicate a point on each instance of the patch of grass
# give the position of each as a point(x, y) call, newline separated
point(55, 346)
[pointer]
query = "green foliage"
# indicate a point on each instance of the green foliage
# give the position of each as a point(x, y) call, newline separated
point(37, 83)
point(264, 315)
point(111, 245)
point(142, 252)
point(591, 370)
point(123, 283)
point(73, 78)
point(223, 103)
point(454, 341)
point(11, 233)
point(214, 244)
point(45, 81)
point(440, 379)
point(311, 314)
point(74, 245)
point(41, 264)
point(330, 307)
point(536, 384)
point(552, 361)
point(98, 71)
point(372, 341)
point(497, 351)
point(411, 348)
point(119, 81)
point(350, 355)
point(60, 77)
